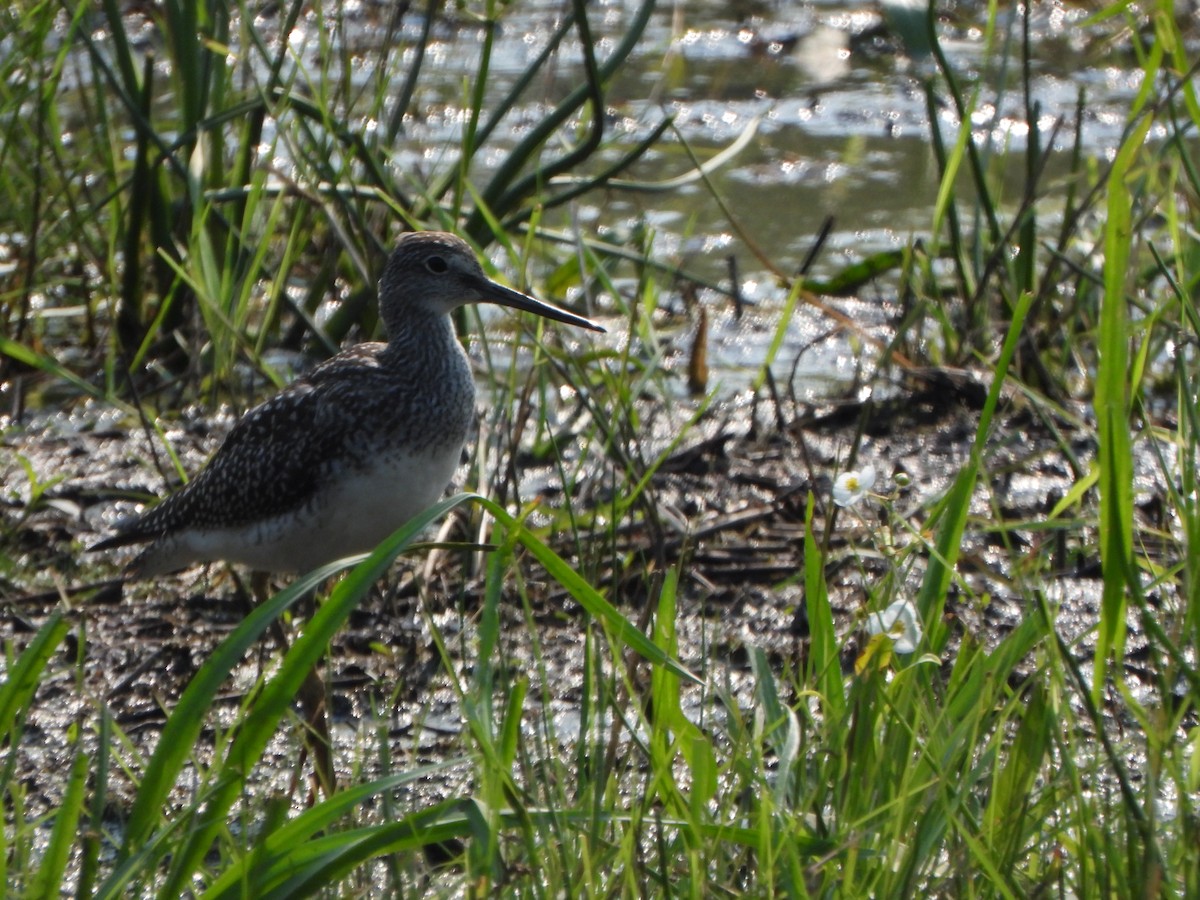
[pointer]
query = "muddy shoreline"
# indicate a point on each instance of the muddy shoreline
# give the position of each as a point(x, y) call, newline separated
point(730, 506)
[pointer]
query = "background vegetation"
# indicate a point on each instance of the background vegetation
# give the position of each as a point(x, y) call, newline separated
point(181, 199)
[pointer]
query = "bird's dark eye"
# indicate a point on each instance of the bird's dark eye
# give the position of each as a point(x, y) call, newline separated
point(436, 265)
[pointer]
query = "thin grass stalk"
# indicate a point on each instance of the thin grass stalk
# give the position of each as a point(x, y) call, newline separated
point(945, 206)
point(526, 78)
point(688, 738)
point(1026, 263)
point(183, 34)
point(483, 857)
point(593, 98)
point(183, 728)
point(1112, 407)
point(129, 307)
point(1007, 817)
point(1188, 394)
point(408, 89)
point(1072, 203)
point(1137, 837)
point(34, 206)
point(128, 88)
point(603, 179)
point(823, 665)
point(48, 880)
point(270, 705)
point(499, 195)
point(474, 107)
point(975, 167)
point(251, 136)
point(287, 25)
point(24, 675)
point(956, 504)
point(501, 109)
point(123, 54)
point(620, 629)
point(89, 865)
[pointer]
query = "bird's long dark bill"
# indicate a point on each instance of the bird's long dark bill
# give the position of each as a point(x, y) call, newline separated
point(498, 293)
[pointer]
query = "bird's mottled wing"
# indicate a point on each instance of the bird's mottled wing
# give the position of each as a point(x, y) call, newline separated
point(273, 460)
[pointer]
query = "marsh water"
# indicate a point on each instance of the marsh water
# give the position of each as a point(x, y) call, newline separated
point(826, 109)
point(806, 113)
point(833, 119)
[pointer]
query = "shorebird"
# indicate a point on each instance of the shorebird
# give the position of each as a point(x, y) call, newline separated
point(351, 451)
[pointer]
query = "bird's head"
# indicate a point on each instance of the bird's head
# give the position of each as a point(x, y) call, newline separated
point(438, 272)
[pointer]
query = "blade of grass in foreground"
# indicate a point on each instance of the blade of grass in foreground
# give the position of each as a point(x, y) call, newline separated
point(254, 732)
point(823, 655)
point(312, 867)
point(24, 677)
point(183, 727)
point(48, 364)
point(671, 730)
point(279, 853)
point(142, 851)
point(1115, 450)
point(47, 883)
point(16, 692)
point(620, 628)
point(957, 502)
point(179, 735)
point(93, 833)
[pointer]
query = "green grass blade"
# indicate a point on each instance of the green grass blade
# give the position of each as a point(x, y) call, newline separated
point(273, 702)
point(183, 727)
point(312, 867)
point(620, 628)
point(1112, 401)
point(47, 883)
point(45, 363)
point(91, 841)
point(956, 504)
point(250, 874)
point(669, 717)
point(25, 675)
point(824, 658)
point(1005, 817)
point(782, 729)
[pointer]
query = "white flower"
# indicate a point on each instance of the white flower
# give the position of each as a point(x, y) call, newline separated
point(853, 485)
point(901, 622)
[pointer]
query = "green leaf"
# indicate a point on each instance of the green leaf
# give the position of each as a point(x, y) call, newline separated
point(619, 627)
point(24, 677)
point(55, 861)
point(824, 659)
point(849, 280)
point(260, 724)
point(1115, 451)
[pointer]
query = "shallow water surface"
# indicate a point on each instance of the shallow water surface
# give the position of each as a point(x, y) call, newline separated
point(835, 118)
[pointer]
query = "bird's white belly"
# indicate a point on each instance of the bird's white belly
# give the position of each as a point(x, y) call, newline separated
point(352, 515)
